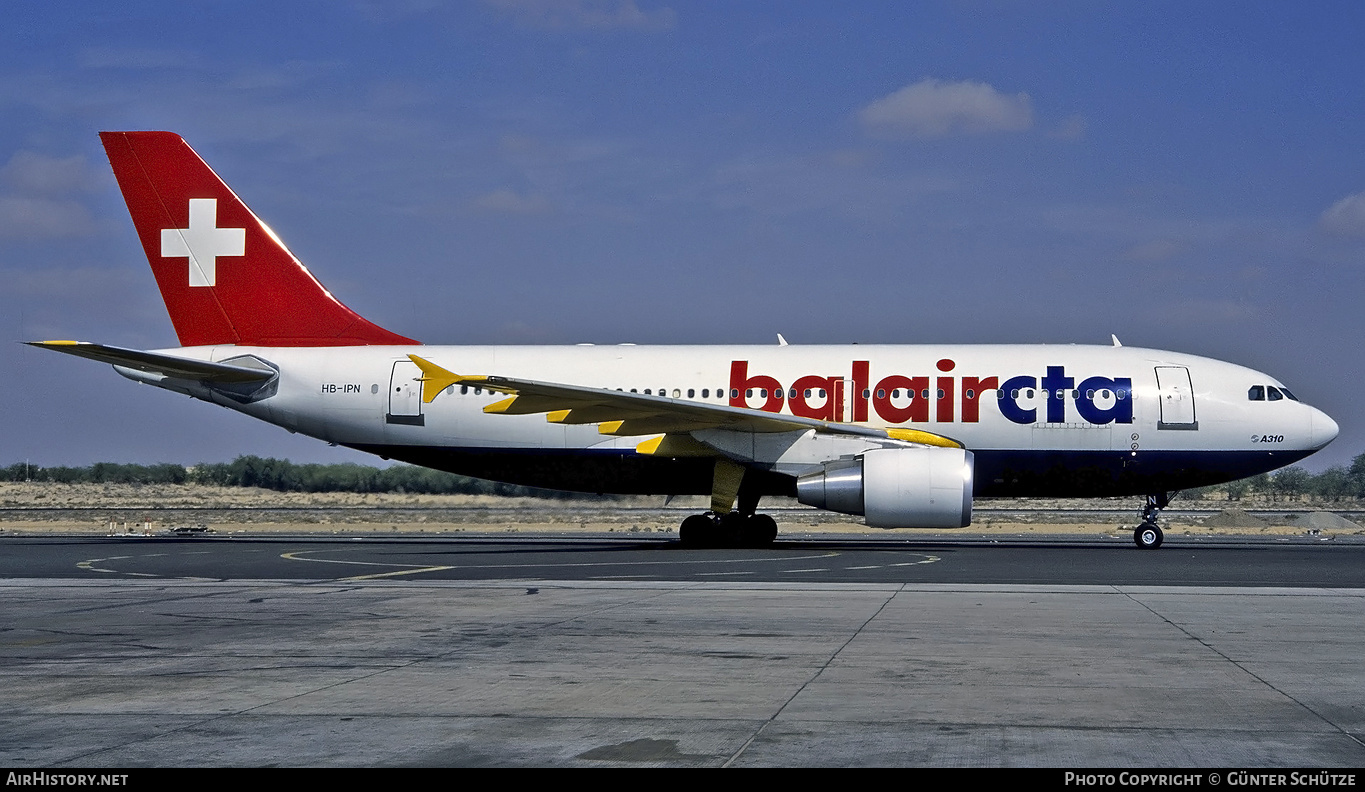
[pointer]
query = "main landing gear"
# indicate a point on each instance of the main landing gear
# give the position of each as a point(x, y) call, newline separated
point(730, 529)
point(1148, 536)
point(732, 521)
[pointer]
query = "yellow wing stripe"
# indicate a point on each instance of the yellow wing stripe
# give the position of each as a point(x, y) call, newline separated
point(676, 445)
point(922, 437)
point(501, 407)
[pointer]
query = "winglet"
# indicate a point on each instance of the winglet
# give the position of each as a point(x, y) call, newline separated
point(435, 379)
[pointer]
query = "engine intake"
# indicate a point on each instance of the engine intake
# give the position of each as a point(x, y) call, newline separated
point(896, 487)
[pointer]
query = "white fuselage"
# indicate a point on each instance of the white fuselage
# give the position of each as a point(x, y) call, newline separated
point(1041, 419)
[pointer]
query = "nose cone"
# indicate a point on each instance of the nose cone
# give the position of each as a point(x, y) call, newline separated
point(1321, 428)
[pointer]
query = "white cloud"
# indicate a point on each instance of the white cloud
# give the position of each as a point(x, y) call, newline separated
point(585, 14)
point(1346, 217)
point(135, 59)
point(36, 174)
point(1156, 250)
point(42, 218)
point(509, 201)
point(35, 207)
point(934, 108)
point(1073, 127)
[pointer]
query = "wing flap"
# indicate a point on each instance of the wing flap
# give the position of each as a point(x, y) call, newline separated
point(524, 405)
point(676, 445)
point(595, 413)
point(652, 425)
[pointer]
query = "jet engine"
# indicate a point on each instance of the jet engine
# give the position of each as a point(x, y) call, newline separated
point(896, 487)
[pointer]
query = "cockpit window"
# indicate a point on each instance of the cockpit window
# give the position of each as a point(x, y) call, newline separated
point(1288, 395)
point(1257, 393)
point(1274, 393)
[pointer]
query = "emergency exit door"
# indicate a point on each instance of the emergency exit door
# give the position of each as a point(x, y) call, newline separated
point(405, 395)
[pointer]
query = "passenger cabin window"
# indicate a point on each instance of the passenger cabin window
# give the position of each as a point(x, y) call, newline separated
point(1257, 393)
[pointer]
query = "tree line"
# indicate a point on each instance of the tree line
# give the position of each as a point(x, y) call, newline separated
point(1344, 482)
point(283, 476)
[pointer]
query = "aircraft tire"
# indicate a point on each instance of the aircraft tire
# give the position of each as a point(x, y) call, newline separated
point(1148, 536)
point(699, 530)
point(758, 531)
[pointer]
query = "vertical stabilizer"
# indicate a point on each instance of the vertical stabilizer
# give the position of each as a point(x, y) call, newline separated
point(226, 278)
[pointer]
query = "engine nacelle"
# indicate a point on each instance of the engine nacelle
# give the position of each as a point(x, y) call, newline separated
point(896, 487)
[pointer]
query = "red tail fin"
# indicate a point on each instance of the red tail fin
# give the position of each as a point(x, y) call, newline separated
point(226, 278)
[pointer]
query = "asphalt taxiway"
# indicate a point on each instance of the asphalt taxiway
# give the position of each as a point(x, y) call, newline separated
point(295, 652)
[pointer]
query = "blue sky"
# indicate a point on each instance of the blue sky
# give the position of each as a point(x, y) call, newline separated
point(1188, 176)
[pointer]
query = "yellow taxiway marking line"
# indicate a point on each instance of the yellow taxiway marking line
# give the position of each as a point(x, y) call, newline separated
point(295, 556)
point(399, 572)
point(414, 570)
point(89, 565)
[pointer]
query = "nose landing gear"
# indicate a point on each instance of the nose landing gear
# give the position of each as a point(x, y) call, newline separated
point(1148, 536)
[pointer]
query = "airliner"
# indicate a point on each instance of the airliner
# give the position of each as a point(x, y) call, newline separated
point(904, 436)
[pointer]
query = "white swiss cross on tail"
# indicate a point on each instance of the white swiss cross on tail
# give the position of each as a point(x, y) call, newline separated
point(203, 242)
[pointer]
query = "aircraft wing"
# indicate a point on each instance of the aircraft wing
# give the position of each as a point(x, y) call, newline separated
point(158, 363)
point(626, 414)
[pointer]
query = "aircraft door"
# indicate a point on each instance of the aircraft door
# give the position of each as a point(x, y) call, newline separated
point(405, 395)
point(1176, 394)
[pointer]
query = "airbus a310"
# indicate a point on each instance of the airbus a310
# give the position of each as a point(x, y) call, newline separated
point(905, 436)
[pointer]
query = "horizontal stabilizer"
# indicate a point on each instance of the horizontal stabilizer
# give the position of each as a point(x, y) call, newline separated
point(158, 363)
